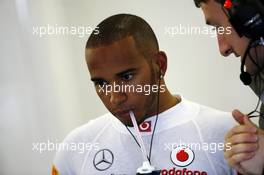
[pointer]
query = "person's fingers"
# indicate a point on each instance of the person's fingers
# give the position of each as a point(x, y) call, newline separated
point(239, 169)
point(248, 122)
point(238, 116)
point(243, 142)
point(235, 161)
point(237, 158)
point(242, 119)
point(241, 148)
point(240, 129)
point(242, 138)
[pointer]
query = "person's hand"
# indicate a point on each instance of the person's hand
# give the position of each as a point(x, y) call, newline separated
point(246, 146)
point(255, 165)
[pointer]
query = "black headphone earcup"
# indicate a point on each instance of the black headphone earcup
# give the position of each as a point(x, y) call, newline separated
point(246, 17)
point(245, 78)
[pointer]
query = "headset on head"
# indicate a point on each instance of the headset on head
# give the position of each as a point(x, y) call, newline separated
point(247, 18)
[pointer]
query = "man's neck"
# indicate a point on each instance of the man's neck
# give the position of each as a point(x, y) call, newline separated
point(166, 101)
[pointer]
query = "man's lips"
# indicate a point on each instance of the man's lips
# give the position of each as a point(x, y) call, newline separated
point(122, 113)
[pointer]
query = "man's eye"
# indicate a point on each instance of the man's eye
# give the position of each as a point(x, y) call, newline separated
point(100, 83)
point(127, 77)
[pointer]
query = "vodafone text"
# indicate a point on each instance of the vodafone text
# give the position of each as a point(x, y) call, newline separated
point(184, 171)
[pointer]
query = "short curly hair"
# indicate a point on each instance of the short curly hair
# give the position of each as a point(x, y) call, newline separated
point(119, 26)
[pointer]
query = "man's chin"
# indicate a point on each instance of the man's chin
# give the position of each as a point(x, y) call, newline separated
point(126, 123)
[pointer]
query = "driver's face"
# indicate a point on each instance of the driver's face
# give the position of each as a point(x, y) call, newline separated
point(121, 63)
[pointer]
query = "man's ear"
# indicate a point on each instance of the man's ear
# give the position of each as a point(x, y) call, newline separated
point(161, 61)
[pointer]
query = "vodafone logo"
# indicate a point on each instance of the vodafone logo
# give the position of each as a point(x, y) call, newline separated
point(145, 126)
point(182, 156)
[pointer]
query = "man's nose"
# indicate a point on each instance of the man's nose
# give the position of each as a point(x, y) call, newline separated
point(117, 98)
point(225, 47)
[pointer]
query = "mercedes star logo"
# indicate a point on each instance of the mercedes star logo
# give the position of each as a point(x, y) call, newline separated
point(103, 159)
